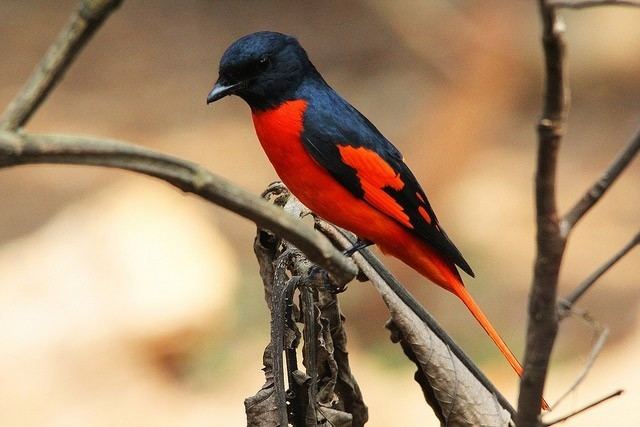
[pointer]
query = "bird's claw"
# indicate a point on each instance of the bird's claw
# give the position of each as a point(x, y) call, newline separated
point(357, 247)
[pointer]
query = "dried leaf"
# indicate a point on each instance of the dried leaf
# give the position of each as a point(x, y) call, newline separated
point(261, 408)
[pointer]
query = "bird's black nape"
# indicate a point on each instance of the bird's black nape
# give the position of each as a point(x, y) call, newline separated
point(263, 68)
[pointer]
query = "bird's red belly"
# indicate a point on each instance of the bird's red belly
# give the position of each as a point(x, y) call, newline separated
point(279, 132)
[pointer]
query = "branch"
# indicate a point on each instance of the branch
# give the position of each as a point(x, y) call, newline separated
point(583, 4)
point(542, 324)
point(597, 190)
point(22, 149)
point(84, 21)
point(581, 410)
point(567, 303)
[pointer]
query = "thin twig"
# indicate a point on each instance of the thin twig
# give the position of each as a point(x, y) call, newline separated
point(581, 410)
point(84, 21)
point(583, 4)
point(542, 325)
point(567, 302)
point(593, 355)
point(22, 149)
point(597, 190)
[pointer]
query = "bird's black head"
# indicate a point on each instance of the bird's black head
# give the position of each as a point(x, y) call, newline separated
point(263, 68)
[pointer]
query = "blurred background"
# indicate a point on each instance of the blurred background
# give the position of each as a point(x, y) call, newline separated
point(125, 302)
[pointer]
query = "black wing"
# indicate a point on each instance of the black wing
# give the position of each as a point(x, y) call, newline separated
point(354, 152)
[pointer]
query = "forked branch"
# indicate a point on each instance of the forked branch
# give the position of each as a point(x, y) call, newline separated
point(552, 233)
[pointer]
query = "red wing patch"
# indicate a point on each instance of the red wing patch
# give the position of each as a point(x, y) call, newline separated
point(375, 174)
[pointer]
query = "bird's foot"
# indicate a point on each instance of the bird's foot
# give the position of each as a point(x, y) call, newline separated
point(357, 246)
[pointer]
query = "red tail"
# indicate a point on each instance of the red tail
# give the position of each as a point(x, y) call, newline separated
point(462, 293)
point(475, 310)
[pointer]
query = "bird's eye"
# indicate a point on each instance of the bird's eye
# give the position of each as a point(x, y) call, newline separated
point(263, 63)
point(249, 69)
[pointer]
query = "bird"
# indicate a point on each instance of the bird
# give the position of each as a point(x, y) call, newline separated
point(338, 164)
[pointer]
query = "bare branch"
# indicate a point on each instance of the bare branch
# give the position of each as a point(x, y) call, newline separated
point(581, 410)
point(84, 21)
point(542, 324)
point(22, 149)
point(583, 4)
point(597, 190)
point(568, 302)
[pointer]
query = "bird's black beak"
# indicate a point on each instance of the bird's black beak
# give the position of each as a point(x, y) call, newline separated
point(220, 90)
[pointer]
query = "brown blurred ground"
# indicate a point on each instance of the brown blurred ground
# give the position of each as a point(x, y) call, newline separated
point(111, 284)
